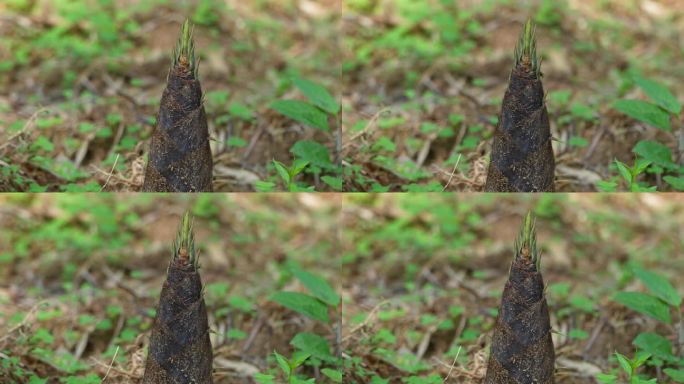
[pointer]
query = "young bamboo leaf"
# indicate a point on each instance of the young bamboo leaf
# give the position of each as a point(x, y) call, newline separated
point(318, 95)
point(654, 344)
point(303, 112)
point(655, 152)
point(313, 152)
point(660, 94)
point(646, 304)
point(675, 374)
point(659, 286)
point(314, 345)
point(644, 111)
point(317, 285)
point(304, 304)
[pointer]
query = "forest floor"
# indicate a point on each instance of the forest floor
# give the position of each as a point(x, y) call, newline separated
point(420, 278)
point(82, 82)
point(80, 281)
point(420, 83)
point(423, 276)
point(423, 83)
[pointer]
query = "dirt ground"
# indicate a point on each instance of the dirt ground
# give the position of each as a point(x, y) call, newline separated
point(422, 86)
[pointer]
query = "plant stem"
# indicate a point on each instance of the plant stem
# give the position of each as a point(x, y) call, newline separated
point(184, 53)
point(184, 246)
point(526, 243)
point(526, 49)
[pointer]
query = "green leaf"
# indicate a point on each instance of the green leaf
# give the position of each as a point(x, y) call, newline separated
point(624, 363)
point(240, 111)
point(306, 305)
point(303, 112)
point(334, 375)
point(676, 182)
point(660, 94)
point(659, 286)
point(606, 378)
point(655, 152)
point(318, 95)
point(297, 167)
point(283, 363)
point(262, 378)
point(43, 143)
point(582, 111)
point(317, 285)
point(334, 182)
point(264, 186)
point(624, 171)
point(298, 358)
point(646, 304)
point(644, 111)
point(676, 374)
point(607, 186)
point(314, 345)
point(313, 152)
point(654, 344)
point(282, 171)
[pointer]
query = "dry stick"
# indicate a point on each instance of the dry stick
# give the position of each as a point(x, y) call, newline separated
point(110, 173)
point(522, 349)
point(180, 155)
point(111, 364)
point(453, 364)
point(451, 176)
point(180, 349)
point(27, 125)
point(522, 156)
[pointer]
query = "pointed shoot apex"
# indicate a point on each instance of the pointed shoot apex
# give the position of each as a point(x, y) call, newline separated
point(526, 243)
point(184, 53)
point(526, 49)
point(184, 246)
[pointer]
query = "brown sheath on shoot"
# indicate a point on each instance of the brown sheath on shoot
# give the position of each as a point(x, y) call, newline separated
point(522, 157)
point(180, 156)
point(522, 348)
point(180, 349)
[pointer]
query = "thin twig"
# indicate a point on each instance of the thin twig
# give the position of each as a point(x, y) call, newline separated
point(451, 176)
point(453, 364)
point(366, 320)
point(111, 364)
point(110, 173)
point(25, 128)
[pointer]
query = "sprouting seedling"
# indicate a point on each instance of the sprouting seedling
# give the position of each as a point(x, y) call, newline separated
point(184, 245)
point(180, 347)
point(526, 49)
point(522, 158)
point(526, 242)
point(180, 158)
point(184, 53)
point(522, 347)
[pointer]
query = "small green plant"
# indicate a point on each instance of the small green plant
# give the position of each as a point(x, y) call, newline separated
point(629, 176)
point(310, 348)
point(653, 157)
point(653, 349)
point(309, 156)
point(629, 367)
point(288, 174)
